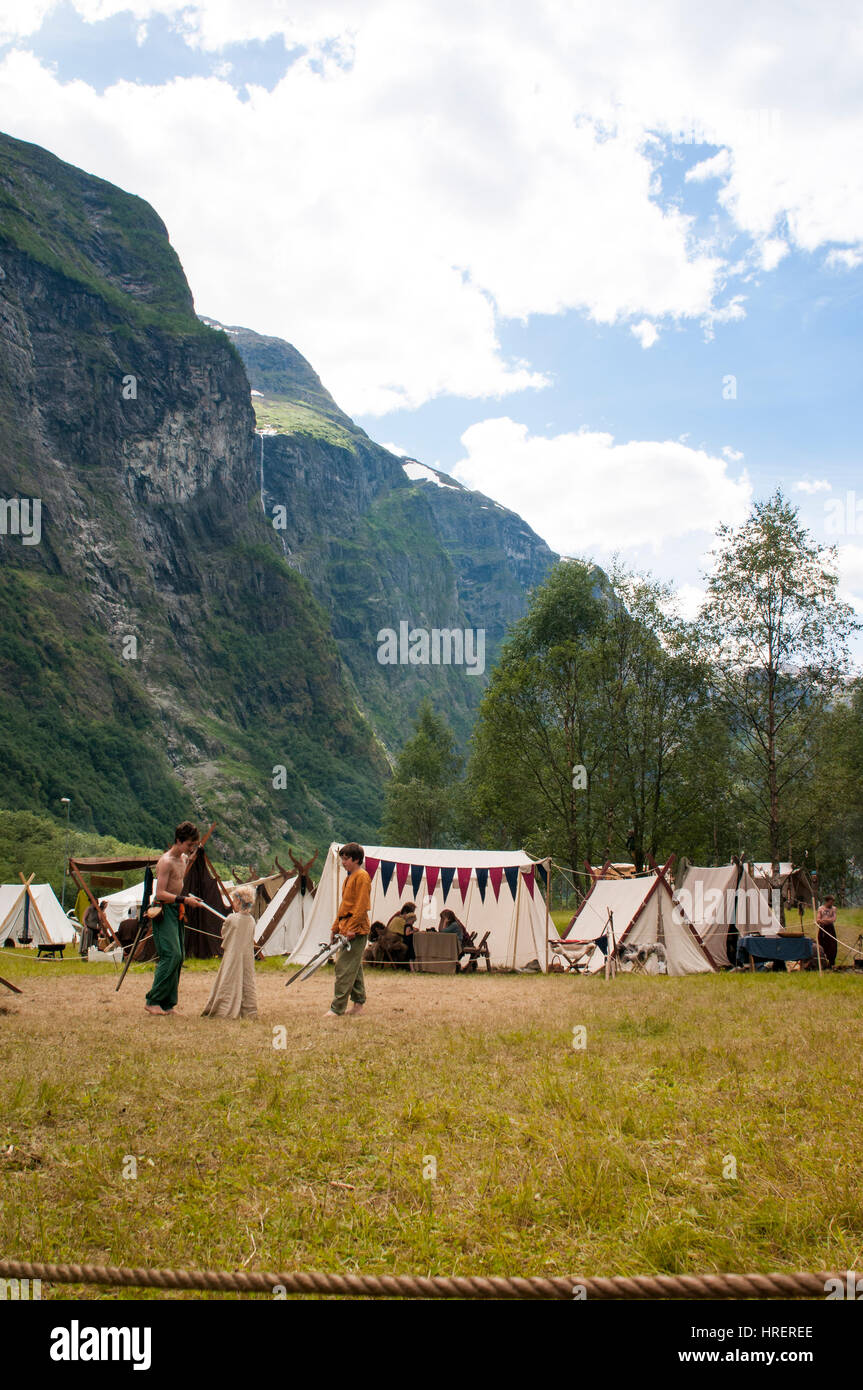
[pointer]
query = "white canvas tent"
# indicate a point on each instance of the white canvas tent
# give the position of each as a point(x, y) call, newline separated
point(489, 891)
point(722, 900)
point(644, 914)
point(280, 927)
point(126, 903)
point(47, 923)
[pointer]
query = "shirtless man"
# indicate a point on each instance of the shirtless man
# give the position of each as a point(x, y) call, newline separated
point(168, 935)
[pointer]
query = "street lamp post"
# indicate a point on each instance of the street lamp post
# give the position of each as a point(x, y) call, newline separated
point(65, 800)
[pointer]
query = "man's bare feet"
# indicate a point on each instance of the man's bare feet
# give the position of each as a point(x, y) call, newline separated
point(329, 1014)
point(153, 1009)
point(356, 1008)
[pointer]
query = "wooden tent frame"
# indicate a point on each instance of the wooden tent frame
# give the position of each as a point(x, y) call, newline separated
point(78, 867)
point(303, 884)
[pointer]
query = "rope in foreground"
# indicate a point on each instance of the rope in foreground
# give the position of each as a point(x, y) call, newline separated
point(636, 1286)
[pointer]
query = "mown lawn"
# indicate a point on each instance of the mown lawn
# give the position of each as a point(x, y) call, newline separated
point(614, 1158)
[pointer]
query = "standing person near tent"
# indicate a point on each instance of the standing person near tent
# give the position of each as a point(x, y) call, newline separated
point(352, 921)
point(168, 937)
point(234, 994)
point(826, 919)
point(92, 927)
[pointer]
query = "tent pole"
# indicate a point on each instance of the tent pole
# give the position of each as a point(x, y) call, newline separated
point(101, 915)
point(547, 907)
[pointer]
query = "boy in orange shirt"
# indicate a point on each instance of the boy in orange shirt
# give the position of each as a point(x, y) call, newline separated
point(352, 921)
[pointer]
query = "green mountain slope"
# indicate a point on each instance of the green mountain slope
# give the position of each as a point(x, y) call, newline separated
point(379, 547)
point(158, 655)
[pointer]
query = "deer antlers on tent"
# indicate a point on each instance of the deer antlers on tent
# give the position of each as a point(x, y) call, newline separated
point(301, 868)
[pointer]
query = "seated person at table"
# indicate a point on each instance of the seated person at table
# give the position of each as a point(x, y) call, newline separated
point(450, 923)
point(403, 922)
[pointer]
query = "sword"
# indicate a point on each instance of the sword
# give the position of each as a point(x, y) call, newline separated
point(327, 951)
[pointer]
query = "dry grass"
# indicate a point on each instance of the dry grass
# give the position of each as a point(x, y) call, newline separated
point(606, 1160)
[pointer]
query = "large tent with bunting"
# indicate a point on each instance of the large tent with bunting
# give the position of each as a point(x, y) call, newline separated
point(638, 912)
point(500, 892)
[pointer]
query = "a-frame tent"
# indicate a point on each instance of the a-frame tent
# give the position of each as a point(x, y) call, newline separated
point(643, 913)
point(488, 890)
point(280, 926)
point(36, 905)
point(723, 903)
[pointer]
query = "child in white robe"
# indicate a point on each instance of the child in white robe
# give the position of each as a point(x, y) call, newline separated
point(234, 994)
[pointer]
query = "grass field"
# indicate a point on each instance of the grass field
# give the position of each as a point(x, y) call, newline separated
point(613, 1158)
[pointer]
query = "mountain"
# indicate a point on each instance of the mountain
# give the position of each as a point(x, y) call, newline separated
point(166, 650)
point(158, 656)
point(384, 541)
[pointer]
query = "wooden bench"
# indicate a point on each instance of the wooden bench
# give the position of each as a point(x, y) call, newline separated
point(51, 949)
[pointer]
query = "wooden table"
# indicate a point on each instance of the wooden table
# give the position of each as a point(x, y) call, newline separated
point(435, 952)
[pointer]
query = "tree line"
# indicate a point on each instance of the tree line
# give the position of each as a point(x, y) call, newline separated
point(612, 728)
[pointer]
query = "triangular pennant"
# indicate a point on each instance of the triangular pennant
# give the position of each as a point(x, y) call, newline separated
point(529, 880)
point(432, 878)
point(463, 882)
point(541, 870)
point(388, 868)
point(417, 871)
point(482, 882)
point(446, 878)
point(496, 876)
point(370, 866)
point(511, 875)
point(402, 871)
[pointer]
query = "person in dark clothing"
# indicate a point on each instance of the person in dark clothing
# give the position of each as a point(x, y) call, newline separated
point(826, 919)
point(450, 923)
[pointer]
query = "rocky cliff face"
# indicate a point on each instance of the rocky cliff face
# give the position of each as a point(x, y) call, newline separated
point(158, 657)
point(384, 541)
point(166, 650)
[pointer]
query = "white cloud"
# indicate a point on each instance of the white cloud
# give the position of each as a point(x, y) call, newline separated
point(717, 167)
point(846, 259)
point(851, 576)
point(646, 333)
point(810, 486)
point(773, 250)
point(585, 493)
point(733, 455)
point(430, 168)
point(397, 450)
point(689, 599)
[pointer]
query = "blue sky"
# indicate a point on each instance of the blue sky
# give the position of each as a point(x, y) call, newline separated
point(485, 233)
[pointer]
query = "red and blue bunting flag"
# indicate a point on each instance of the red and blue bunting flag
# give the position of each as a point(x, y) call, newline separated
point(446, 878)
point(417, 871)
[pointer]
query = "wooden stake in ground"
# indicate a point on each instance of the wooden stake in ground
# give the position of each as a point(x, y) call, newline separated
point(9, 985)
